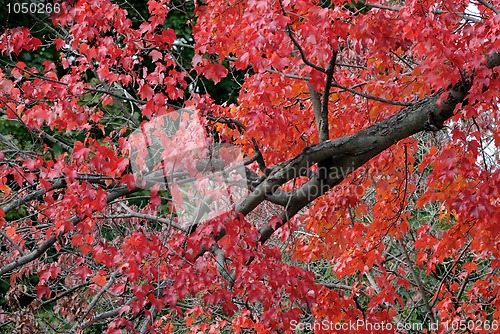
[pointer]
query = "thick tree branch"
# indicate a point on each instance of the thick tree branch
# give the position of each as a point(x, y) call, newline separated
point(350, 152)
point(42, 248)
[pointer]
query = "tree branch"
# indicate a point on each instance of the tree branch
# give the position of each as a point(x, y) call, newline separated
point(489, 6)
point(94, 301)
point(34, 195)
point(351, 152)
point(289, 32)
point(419, 283)
point(145, 216)
point(12, 242)
point(371, 97)
point(343, 287)
point(320, 122)
point(326, 92)
point(43, 247)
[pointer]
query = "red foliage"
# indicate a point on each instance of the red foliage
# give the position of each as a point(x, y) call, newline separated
point(414, 229)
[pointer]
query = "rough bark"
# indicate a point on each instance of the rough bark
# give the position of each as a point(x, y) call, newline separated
point(348, 153)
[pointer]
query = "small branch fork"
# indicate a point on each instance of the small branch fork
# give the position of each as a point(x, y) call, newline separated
point(320, 107)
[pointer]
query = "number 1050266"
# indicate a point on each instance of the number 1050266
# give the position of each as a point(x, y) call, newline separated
point(33, 8)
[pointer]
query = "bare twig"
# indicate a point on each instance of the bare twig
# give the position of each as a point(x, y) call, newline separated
point(54, 140)
point(289, 32)
point(65, 293)
point(485, 162)
point(343, 287)
point(135, 214)
point(94, 301)
point(419, 283)
point(441, 283)
point(371, 97)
